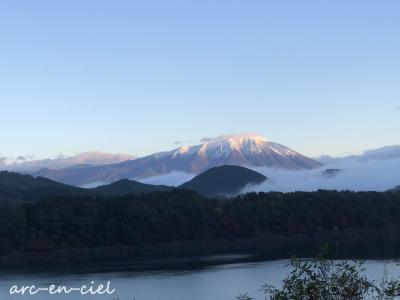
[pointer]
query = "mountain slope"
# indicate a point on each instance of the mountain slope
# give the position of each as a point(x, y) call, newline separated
point(125, 186)
point(223, 180)
point(396, 189)
point(93, 158)
point(247, 150)
point(19, 187)
point(379, 154)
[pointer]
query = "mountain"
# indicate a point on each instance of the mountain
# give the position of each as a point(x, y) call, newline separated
point(383, 153)
point(90, 158)
point(21, 187)
point(125, 186)
point(247, 150)
point(223, 180)
point(396, 189)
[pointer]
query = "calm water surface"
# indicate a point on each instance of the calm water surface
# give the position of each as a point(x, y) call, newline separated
point(217, 282)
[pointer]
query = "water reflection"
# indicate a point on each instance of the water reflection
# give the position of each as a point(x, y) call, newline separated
point(214, 282)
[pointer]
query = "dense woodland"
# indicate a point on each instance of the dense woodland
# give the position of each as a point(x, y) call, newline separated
point(180, 215)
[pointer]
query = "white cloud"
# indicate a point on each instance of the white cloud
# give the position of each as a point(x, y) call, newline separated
point(93, 184)
point(171, 179)
point(373, 175)
point(206, 139)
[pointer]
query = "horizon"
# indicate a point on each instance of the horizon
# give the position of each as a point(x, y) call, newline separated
point(28, 158)
point(137, 77)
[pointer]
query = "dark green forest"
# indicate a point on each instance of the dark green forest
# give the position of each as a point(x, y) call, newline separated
point(180, 215)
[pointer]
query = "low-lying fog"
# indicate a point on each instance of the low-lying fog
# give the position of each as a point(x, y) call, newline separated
point(374, 175)
point(171, 179)
point(354, 174)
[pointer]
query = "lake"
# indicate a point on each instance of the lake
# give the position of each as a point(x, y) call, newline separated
point(216, 279)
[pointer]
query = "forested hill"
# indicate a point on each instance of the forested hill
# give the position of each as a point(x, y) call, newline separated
point(180, 215)
point(16, 187)
point(223, 180)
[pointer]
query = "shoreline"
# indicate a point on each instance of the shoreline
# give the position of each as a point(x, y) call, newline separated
point(377, 244)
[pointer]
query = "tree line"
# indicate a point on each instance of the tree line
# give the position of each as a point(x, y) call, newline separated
point(180, 215)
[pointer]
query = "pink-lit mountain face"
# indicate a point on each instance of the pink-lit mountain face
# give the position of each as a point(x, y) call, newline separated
point(92, 158)
point(247, 150)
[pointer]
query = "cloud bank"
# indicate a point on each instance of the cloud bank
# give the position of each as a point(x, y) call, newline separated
point(355, 175)
point(171, 179)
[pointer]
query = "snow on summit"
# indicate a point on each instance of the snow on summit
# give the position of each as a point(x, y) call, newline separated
point(246, 144)
point(248, 150)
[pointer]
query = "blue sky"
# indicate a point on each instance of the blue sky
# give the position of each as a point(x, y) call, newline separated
point(321, 77)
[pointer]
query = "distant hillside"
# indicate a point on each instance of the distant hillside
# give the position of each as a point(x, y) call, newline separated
point(20, 187)
point(331, 173)
point(125, 186)
point(383, 153)
point(217, 181)
point(223, 180)
point(396, 189)
point(87, 159)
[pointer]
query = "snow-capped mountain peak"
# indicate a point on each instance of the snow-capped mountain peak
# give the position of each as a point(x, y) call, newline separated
point(248, 150)
point(245, 144)
point(240, 138)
